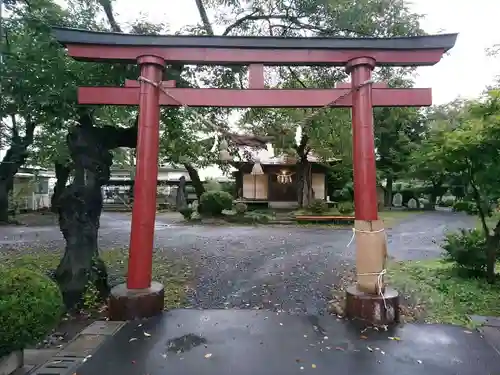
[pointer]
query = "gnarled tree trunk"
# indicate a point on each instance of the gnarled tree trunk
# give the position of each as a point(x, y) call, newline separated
point(80, 207)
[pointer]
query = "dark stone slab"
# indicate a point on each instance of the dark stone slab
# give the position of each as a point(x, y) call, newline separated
point(247, 342)
point(76, 36)
point(492, 336)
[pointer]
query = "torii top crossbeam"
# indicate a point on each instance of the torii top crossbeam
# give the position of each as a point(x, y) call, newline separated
point(256, 52)
point(225, 50)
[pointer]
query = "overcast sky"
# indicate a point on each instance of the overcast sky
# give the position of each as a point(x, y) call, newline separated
point(465, 72)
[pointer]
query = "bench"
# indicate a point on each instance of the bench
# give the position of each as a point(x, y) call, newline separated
point(325, 219)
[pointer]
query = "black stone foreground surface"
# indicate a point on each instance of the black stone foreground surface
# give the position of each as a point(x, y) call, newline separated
point(245, 342)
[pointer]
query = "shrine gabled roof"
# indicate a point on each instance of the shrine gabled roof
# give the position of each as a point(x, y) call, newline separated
point(68, 36)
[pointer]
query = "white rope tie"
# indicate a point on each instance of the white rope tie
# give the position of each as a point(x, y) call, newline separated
point(380, 283)
point(354, 230)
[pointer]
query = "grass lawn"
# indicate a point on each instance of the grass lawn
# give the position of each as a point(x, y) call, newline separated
point(174, 274)
point(490, 221)
point(437, 294)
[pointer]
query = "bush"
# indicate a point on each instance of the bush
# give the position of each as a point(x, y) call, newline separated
point(446, 202)
point(187, 212)
point(214, 202)
point(318, 206)
point(240, 208)
point(465, 206)
point(30, 306)
point(212, 185)
point(467, 249)
point(346, 208)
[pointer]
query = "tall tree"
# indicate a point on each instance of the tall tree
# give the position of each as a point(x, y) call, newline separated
point(471, 151)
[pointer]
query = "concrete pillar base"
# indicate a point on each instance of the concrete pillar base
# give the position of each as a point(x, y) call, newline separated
point(371, 308)
point(129, 304)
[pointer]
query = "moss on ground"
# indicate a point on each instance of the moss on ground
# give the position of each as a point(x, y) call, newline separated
point(436, 293)
point(174, 274)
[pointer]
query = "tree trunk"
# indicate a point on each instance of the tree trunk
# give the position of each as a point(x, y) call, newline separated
point(62, 174)
point(304, 187)
point(195, 180)
point(79, 212)
point(80, 207)
point(14, 158)
point(388, 191)
point(4, 202)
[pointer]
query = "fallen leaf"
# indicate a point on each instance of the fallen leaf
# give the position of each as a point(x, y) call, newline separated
point(208, 355)
point(363, 337)
point(394, 338)
point(313, 365)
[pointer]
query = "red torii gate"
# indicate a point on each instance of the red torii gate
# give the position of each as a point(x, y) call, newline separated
point(141, 297)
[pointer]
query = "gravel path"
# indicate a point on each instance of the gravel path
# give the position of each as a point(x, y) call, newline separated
point(278, 267)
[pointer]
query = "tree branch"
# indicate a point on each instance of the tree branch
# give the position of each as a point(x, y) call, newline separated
point(204, 17)
point(294, 20)
point(108, 9)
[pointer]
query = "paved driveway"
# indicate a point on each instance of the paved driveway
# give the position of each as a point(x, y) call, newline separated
point(279, 267)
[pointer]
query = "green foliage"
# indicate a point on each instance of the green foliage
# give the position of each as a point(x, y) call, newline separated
point(91, 298)
point(253, 217)
point(240, 208)
point(446, 202)
point(467, 249)
point(212, 185)
point(318, 206)
point(346, 208)
point(465, 206)
point(214, 202)
point(436, 292)
point(186, 212)
point(30, 306)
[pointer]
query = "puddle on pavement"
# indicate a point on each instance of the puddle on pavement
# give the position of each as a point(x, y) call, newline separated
point(185, 343)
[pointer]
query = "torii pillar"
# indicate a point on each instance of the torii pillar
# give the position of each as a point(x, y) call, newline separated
point(369, 299)
point(140, 296)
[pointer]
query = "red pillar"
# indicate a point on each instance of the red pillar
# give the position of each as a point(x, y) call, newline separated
point(365, 182)
point(146, 176)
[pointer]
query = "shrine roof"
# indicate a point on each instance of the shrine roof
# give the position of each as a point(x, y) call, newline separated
point(68, 36)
